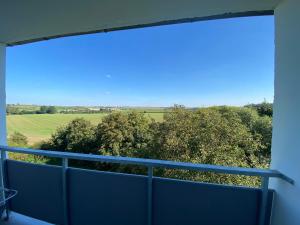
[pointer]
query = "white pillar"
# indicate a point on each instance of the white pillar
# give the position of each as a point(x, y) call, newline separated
point(286, 120)
point(2, 106)
point(2, 95)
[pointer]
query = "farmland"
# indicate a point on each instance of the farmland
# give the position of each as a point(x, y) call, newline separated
point(38, 127)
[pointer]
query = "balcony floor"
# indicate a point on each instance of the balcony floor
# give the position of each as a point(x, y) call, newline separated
point(18, 219)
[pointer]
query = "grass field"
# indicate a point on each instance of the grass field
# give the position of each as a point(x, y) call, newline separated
point(38, 127)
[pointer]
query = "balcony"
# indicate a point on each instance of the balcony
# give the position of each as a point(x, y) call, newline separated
point(66, 195)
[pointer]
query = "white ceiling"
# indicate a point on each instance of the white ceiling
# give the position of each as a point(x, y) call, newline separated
point(23, 21)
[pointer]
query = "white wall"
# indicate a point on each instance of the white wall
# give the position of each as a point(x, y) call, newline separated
point(286, 131)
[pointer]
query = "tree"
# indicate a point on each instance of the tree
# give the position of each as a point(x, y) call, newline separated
point(123, 133)
point(43, 110)
point(263, 109)
point(230, 136)
point(51, 110)
point(209, 136)
point(47, 109)
point(261, 129)
point(12, 110)
point(77, 136)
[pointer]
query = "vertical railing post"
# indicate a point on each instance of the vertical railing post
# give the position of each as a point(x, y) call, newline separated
point(264, 200)
point(2, 173)
point(65, 190)
point(3, 180)
point(3, 137)
point(150, 176)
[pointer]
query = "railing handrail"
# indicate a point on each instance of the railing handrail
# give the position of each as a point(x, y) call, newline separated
point(267, 173)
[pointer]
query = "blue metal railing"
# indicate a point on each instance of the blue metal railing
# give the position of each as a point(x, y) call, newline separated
point(265, 174)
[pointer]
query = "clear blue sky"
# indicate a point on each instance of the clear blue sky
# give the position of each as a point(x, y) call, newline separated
point(197, 64)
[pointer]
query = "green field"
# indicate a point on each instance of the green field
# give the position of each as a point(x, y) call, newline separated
point(38, 127)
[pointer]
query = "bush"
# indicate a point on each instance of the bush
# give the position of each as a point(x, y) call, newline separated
point(17, 140)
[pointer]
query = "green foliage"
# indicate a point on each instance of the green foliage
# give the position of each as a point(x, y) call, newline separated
point(47, 110)
point(261, 129)
point(123, 134)
point(28, 158)
point(17, 140)
point(208, 136)
point(77, 136)
point(43, 109)
point(229, 136)
point(19, 110)
point(28, 109)
point(263, 109)
point(12, 110)
point(51, 110)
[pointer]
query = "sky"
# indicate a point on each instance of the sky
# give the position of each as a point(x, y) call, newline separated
point(217, 62)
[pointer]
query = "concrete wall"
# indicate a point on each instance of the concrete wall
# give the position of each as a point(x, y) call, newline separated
point(286, 131)
point(29, 20)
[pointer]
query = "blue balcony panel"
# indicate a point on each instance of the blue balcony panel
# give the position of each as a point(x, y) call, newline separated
point(106, 198)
